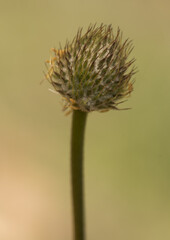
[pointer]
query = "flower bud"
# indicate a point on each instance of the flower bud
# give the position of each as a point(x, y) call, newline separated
point(92, 72)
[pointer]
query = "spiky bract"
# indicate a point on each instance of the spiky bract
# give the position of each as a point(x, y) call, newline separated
point(92, 72)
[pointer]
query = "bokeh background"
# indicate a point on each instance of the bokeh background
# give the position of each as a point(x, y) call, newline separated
point(127, 153)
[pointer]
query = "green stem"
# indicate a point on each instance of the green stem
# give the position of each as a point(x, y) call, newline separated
point(77, 143)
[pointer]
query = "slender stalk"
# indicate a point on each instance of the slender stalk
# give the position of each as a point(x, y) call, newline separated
point(77, 143)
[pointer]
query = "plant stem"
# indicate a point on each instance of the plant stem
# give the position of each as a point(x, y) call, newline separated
point(77, 143)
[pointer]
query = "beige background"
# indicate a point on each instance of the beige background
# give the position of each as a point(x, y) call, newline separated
point(127, 153)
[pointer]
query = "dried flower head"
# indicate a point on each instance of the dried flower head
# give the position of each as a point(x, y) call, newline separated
point(92, 72)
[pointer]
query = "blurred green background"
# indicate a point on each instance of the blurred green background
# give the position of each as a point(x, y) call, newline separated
point(127, 153)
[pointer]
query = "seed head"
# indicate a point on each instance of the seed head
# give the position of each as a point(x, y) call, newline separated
point(92, 72)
